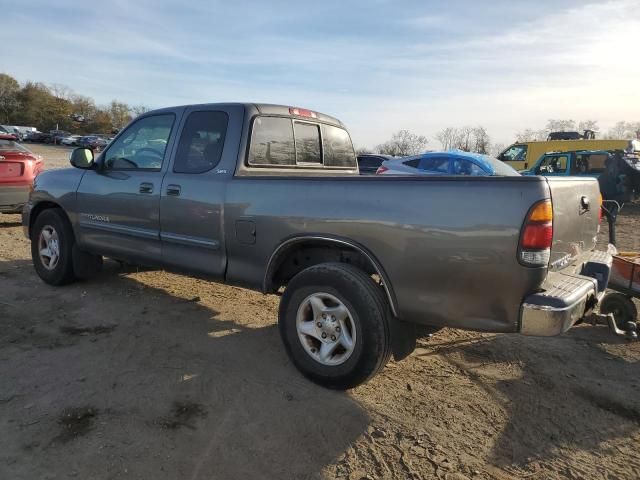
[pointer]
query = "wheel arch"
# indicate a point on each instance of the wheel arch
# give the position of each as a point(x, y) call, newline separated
point(278, 272)
point(41, 207)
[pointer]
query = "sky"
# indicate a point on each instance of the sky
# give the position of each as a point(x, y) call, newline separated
point(378, 65)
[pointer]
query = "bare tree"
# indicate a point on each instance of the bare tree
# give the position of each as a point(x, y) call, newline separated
point(588, 125)
point(624, 130)
point(561, 125)
point(468, 139)
point(482, 142)
point(138, 110)
point(61, 91)
point(496, 149)
point(403, 143)
point(448, 138)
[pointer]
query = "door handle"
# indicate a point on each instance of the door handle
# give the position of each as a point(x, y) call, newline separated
point(173, 190)
point(146, 187)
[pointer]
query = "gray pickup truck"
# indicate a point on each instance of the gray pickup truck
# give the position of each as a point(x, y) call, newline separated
point(269, 197)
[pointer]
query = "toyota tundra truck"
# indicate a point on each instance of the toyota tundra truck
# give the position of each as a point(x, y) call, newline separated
point(268, 197)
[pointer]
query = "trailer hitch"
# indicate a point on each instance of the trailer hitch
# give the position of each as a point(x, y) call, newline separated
point(608, 319)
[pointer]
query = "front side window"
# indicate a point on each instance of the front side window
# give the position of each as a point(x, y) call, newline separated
point(434, 165)
point(466, 167)
point(515, 153)
point(142, 146)
point(201, 142)
point(272, 142)
point(307, 142)
point(554, 164)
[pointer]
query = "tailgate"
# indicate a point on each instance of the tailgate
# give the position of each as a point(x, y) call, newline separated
point(576, 206)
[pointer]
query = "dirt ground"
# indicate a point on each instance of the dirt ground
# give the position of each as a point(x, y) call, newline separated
point(150, 375)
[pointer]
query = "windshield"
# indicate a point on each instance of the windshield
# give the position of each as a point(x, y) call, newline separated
point(515, 153)
point(12, 146)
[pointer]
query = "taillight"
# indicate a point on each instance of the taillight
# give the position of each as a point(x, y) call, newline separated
point(537, 235)
point(381, 169)
point(600, 211)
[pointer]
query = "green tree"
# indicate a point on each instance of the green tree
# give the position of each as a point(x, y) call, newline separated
point(120, 114)
point(9, 90)
point(100, 122)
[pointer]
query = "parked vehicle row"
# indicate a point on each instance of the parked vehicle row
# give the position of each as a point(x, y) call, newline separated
point(95, 141)
point(269, 197)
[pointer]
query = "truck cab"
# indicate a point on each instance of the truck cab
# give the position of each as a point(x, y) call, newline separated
point(590, 163)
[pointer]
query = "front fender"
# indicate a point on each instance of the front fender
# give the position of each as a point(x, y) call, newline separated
point(53, 188)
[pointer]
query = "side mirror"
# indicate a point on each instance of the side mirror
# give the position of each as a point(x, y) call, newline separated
point(82, 158)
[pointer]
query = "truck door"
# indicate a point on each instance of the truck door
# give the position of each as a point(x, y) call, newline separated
point(118, 203)
point(193, 191)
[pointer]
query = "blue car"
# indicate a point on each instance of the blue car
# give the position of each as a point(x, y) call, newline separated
point(452, 162)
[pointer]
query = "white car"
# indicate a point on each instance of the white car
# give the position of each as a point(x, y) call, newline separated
point(70, 140)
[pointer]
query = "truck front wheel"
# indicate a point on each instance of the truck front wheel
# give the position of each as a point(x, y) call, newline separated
point(334, 324)
point(52, 243)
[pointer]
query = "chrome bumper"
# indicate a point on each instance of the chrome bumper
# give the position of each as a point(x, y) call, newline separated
point(566, 298)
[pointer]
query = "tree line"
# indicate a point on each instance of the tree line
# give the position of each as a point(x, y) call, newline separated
point(468, 139)
point(49, 107)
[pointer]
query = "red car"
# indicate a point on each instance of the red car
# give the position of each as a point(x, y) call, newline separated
point(18, 169)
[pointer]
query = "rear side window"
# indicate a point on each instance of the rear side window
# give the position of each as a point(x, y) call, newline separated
point(593, 163)
point(201, 142)
point(282, 141)
point(272, 142)
point(307, 142)
point(338, 149)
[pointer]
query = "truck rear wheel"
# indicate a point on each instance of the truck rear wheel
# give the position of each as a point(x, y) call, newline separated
point(52, 244)
point(334, 324)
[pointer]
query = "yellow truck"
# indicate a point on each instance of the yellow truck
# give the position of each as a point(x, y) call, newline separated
point(523, 155)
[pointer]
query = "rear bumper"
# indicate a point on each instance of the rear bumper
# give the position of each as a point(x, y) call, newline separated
point(566, 297)
point(13, 198)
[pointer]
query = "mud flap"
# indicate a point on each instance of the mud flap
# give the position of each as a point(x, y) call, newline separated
point(403, 339)
point(85, 265)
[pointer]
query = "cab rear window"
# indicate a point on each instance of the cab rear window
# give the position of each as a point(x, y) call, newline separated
point(283, 141)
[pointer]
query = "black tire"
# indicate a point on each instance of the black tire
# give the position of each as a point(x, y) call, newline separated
point(369, 314)
point(62, 273)
point(622, 308)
